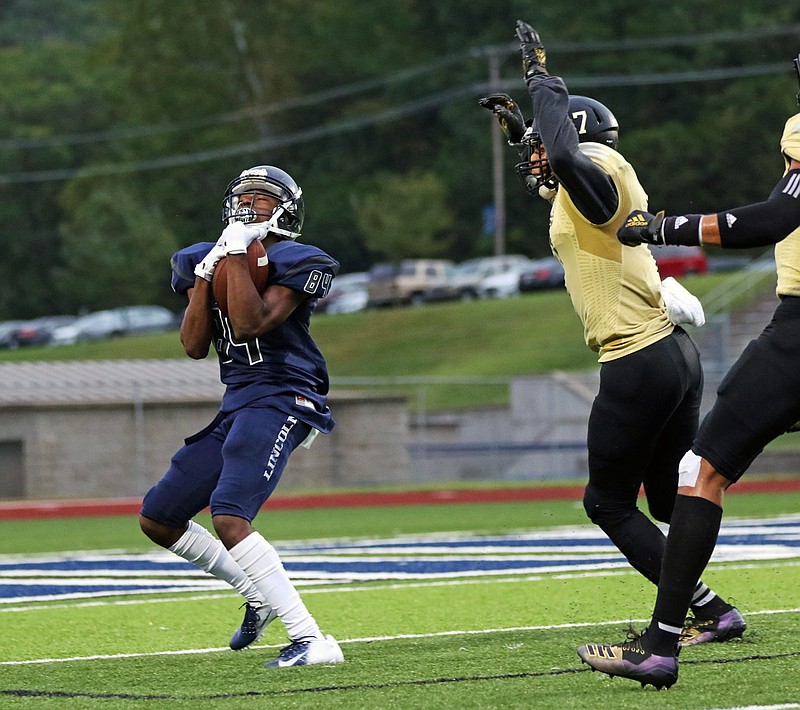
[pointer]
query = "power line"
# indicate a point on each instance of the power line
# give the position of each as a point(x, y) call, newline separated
point(272, 142)
point(394, 78)
point(416, 106)
point(306, 100)
point(680, 77)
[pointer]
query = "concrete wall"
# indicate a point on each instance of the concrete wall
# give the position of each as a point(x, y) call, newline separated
point(540, 436)
point(121, 449)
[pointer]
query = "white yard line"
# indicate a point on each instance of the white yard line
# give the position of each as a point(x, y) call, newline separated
point(372, 639)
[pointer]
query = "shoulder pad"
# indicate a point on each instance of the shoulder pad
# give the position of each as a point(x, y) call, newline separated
point(183, 262)
point(790, 141)
point(301, 267)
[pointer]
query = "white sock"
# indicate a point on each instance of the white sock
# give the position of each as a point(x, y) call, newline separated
point(202, 549)
point(261, 563)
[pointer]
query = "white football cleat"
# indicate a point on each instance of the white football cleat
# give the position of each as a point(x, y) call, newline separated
point(308, 652)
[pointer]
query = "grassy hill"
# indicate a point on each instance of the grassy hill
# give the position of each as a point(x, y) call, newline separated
point(531, 333)
point(528, 334)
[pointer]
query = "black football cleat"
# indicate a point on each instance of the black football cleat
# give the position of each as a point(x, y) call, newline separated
point(629, 660)
point(726, 626)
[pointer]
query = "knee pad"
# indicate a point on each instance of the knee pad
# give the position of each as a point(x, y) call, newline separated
point(689, 469)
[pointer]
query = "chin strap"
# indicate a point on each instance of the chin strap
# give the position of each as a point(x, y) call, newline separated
point(548, 193)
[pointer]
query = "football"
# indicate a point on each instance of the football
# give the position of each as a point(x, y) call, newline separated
point(259, 272)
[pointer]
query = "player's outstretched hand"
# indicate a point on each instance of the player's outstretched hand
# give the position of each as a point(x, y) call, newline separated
point(534, 56)
point(641, 227)
point(508, 115)
point(237, 236)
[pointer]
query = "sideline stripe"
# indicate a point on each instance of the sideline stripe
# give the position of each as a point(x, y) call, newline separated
point(27, 510)
point(24, 510)
point(366, 639)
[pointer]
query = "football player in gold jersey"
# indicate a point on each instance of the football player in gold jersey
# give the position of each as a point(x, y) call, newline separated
point(650, 373)
point(757, 401)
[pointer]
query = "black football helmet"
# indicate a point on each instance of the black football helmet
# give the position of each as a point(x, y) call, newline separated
point(286, 220)
point(594, 123)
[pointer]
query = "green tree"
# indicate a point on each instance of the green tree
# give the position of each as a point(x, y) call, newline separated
point(174, 99)
point(405, 216)
point(116, 248)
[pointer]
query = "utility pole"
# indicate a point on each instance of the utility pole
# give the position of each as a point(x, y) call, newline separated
point(498, 173)
point(256, 89)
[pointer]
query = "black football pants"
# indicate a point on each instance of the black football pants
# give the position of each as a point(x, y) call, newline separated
point(642, 422)
point(759, 398)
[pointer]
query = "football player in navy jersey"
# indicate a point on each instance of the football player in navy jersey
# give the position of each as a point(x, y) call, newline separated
point(647, 409)
point(274, 401)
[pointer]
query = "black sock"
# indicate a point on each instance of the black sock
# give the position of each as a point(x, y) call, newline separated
point(640, 540)
point(706, 604)
point(692, 537)
point(712, 608)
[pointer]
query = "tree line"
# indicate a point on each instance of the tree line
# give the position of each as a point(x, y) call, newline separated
point(122, 121)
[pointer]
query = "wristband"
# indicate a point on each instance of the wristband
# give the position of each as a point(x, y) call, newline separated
point(683, 230)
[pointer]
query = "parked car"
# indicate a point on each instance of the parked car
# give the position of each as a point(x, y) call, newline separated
point(92, 326)
point(348, 294)
point(504, 284)
point(462, 280)
point(542, 274)
point(412, 281)
point(148, 319)
point(40, 330)
point(8, 333)
point(678, 261)
point(126, 320)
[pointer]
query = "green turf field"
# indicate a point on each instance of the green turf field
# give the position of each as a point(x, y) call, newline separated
point(483, 641)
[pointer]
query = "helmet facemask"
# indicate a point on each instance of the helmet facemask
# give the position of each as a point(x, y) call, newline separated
point(286, 219)
point(535, 171)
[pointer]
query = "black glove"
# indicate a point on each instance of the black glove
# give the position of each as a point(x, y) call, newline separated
point(641, 227)
point(508, 115)
point(534, 57)
point(796, 63)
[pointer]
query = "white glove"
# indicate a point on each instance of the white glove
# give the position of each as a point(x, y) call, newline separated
point(682, 307)
point(237, 236)
point(205, 269)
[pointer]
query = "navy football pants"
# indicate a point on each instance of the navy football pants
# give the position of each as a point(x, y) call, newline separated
point(232, 466)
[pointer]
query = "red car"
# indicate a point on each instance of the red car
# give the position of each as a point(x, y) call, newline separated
point(679, 261)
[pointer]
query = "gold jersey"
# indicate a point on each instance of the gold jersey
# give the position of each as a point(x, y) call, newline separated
point(615, 289)
point(787, 252)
